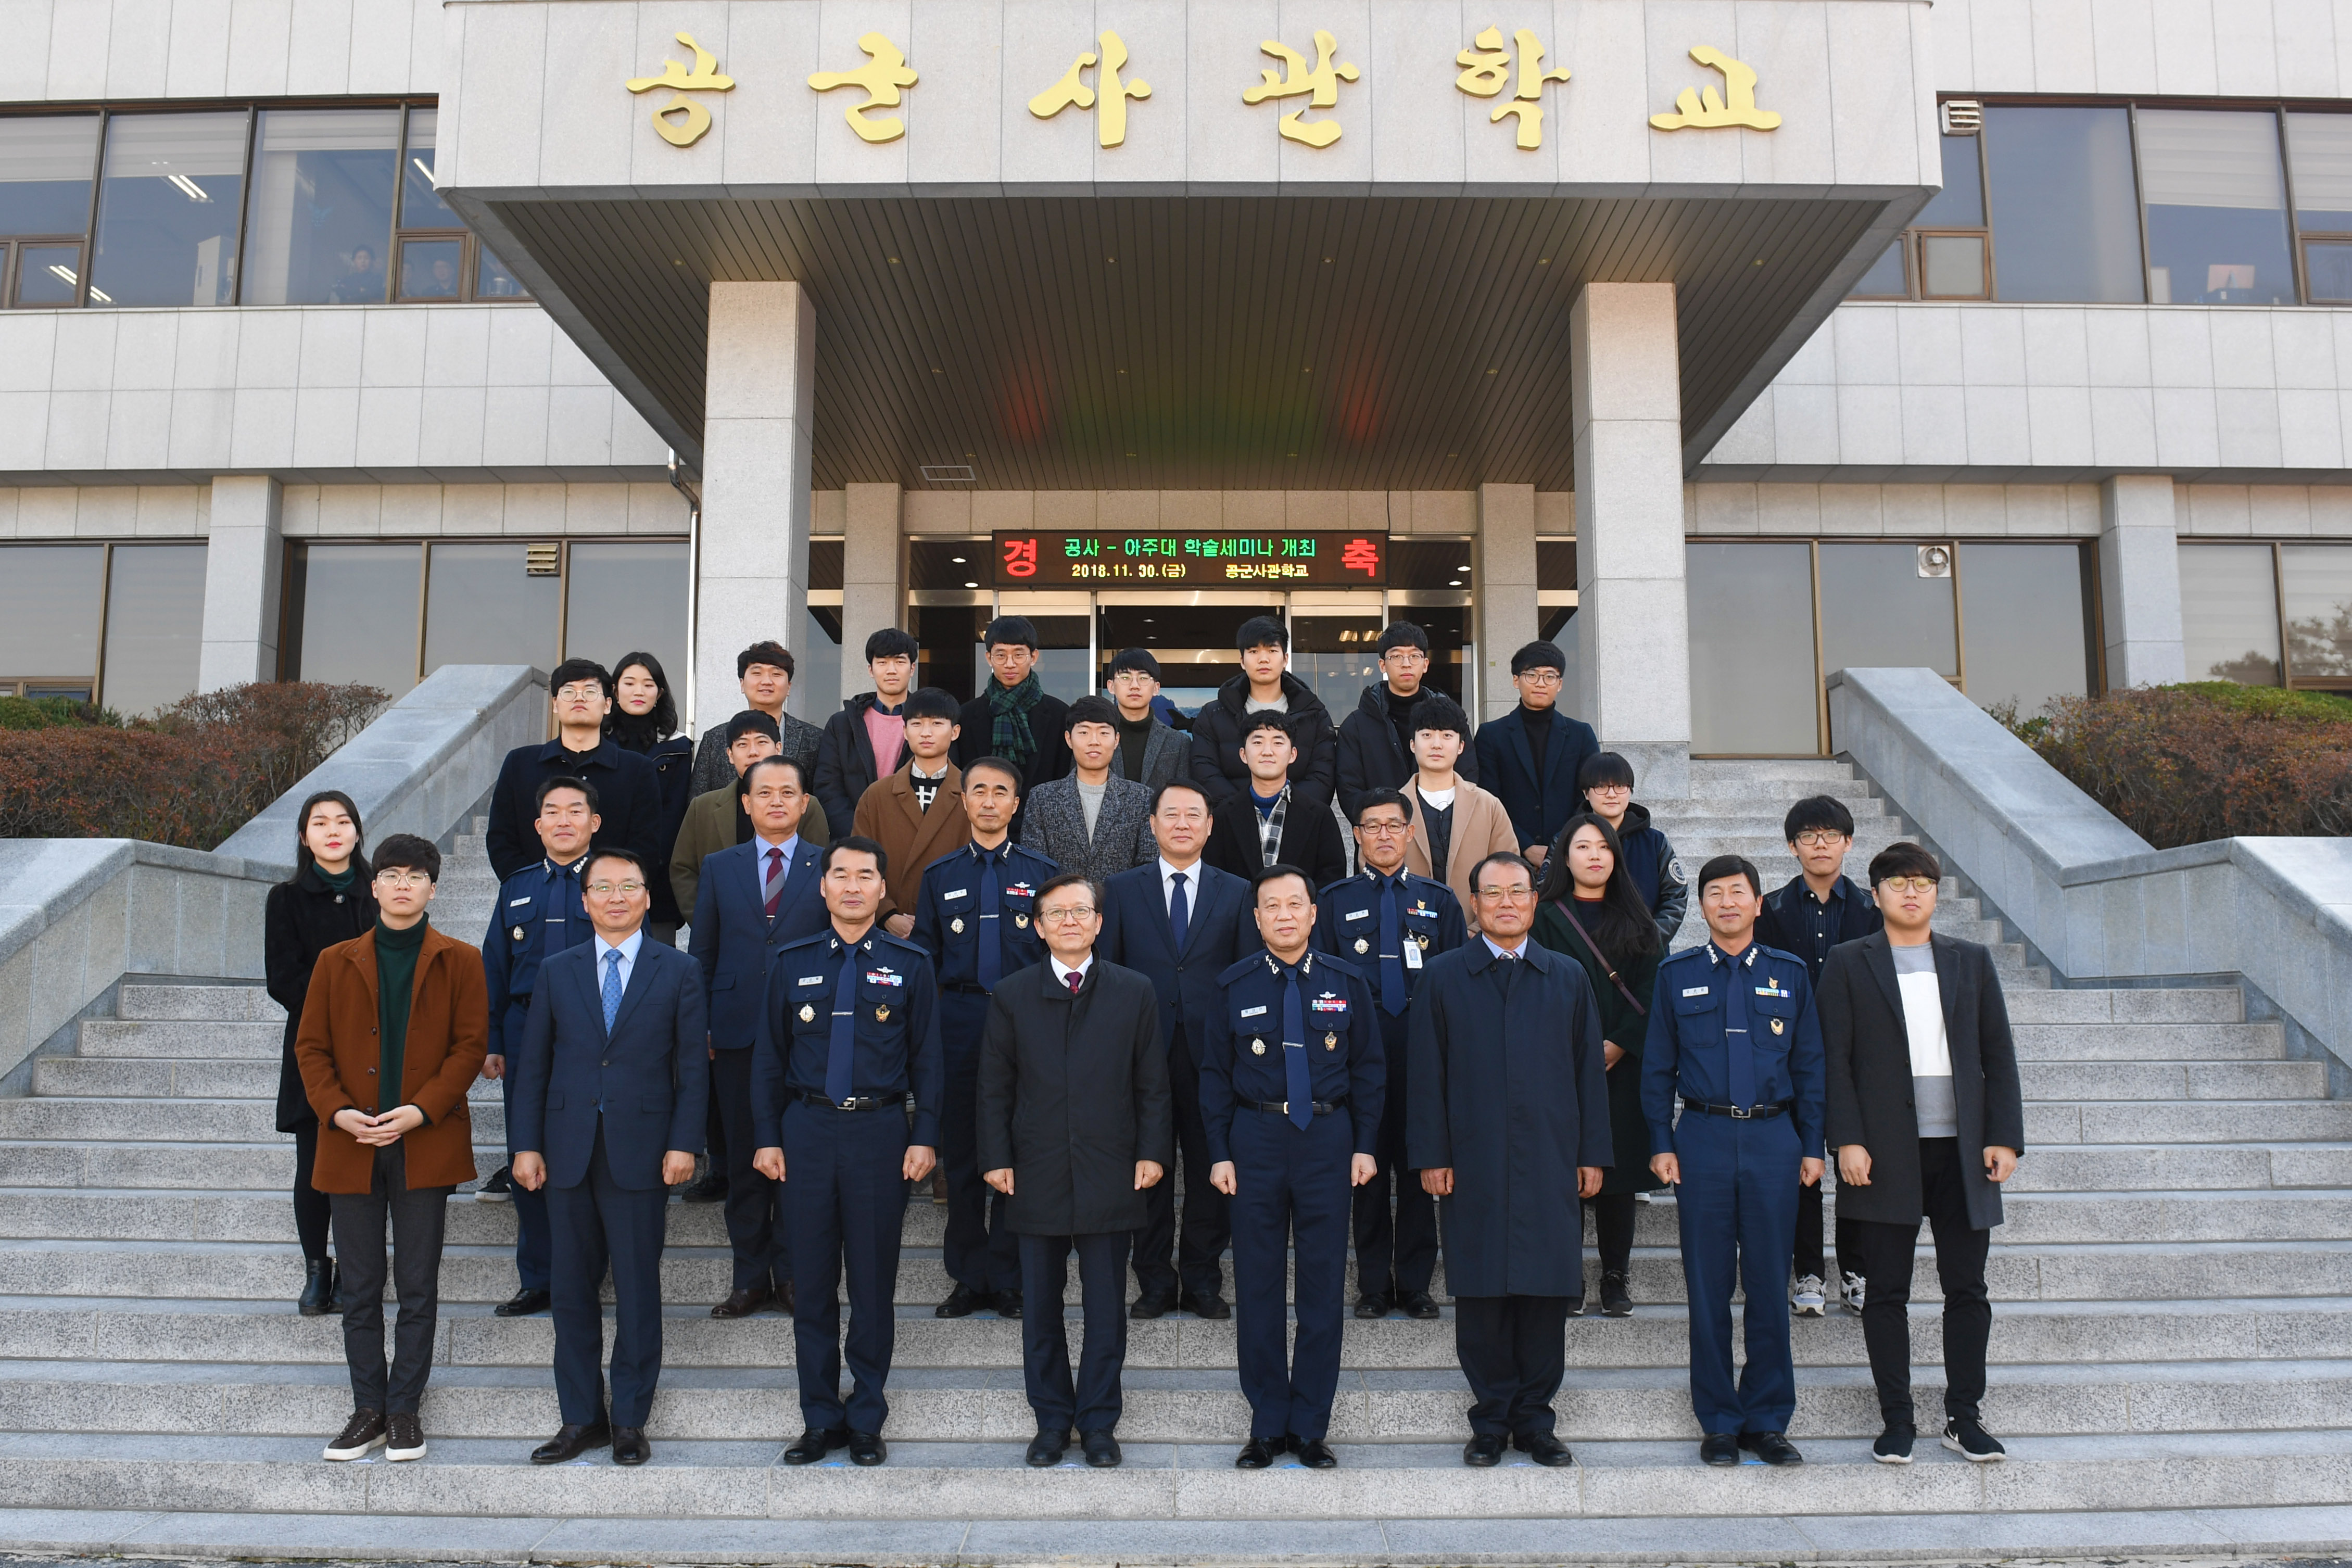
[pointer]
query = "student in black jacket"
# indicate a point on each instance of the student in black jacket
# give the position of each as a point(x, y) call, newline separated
point(628, 791)
point(1375, 743)
point(848, 760)
point(1266, 681)
point(1528, 759)
point(1266, 824)
point(645, 721)
point(1013, 717)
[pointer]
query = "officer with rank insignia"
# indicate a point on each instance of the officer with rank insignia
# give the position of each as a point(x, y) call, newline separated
point(976, 915)
point(540, 912)
point(1291, 1091)
point(849, 1032)
point(1734, 1041)
point(1389, 923)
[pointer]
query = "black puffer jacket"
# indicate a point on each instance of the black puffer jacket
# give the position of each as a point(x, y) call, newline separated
point(1217, 731)
point(302, 919)
point(1372, 757)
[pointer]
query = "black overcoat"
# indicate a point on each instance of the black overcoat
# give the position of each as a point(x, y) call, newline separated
point(1073, 1092)
point(1869, 1092)
point(301, 920)
point(1509, 1091)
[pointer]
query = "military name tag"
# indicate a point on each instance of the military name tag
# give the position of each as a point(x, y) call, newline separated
point(956, 925)
point(1694, 990)
point(808, 1013)
point(881, 1015)
point(1362, 945)
point(1257, 1047)
point(1778, 1026)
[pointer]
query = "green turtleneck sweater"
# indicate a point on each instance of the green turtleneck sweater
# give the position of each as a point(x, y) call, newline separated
point(396, 982)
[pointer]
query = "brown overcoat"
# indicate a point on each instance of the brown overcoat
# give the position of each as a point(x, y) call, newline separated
point(338, 1048)
point(889, 814)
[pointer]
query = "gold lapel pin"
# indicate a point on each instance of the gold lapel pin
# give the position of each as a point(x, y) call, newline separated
point(808, 1013)
point(1777, 1026)
point(881, 1015)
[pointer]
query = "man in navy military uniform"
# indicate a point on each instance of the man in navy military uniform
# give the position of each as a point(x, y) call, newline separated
point(540, 911)
point(848, 1033)
point(1291, 1088)
point(976, 916)
point(1390, 923)
point(1733, 1037)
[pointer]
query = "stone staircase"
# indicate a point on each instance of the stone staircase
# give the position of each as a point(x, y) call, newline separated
point(2172, 1343)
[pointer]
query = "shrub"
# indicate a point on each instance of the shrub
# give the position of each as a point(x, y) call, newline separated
point(45, 712)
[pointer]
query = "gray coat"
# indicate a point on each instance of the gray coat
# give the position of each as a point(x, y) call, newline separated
point(1053, 824)
point(1164, 756)
point(713, 771)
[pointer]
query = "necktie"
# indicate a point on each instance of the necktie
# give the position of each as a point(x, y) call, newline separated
point(775, 879)
point(568, 908)
point(839, 1050)
point(1737, 1042)
point(1392, 996)
point(992, 926)
point(1077, 978)
point(1294, 1054)
point(612, 986)
point(1180, 913)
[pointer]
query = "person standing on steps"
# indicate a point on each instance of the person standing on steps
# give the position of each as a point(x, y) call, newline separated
point(1375, 743)
point(1606, 779)
point(1509, 1126)
point(1736, 1044)
point(1264, 684)
point(1456, 825)
point(394, 1029)
point(1074, 1128)
point(609, 1081)
point(1152, 751)
point(916, 814)
point(1589, 911)
point(1390, 923)
point(1093, 823)
point(867, 739)
point(645, 721)
point(1820, 908)
point(628, 791)
point(1928, 1118)
point(1015, 717)
point(1528, 758)
point(1291, 1086)
point(1266, 824)
point(329, 900)
point(764, 670)
point(716, 820)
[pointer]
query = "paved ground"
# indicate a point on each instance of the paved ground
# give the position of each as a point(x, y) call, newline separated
point(13, 1559)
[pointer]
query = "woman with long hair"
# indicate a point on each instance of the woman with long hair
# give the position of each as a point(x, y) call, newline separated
point(1589, 910)
point(645, 721)
point(326, 901)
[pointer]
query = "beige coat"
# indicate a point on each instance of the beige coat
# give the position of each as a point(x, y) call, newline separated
point(1481, 827)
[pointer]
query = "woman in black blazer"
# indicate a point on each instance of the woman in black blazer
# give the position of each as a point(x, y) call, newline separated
point(327, 901)
point(645, 721)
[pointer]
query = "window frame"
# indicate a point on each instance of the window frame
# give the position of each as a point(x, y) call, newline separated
point(2277, 545)
point(14, 685)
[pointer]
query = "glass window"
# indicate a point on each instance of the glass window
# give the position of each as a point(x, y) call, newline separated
point(2228, 614)
point(2327, 264)
point(1884, 280)
point(816, 677)
point(1335, 653)
point(482, 606)
point(1960, 204)
point(1448, 626)
point(1751, 648)
point(1429, 564)
point(47, 274)
point(351, 611)
point(1061, 656)
point(430, 268)
point(46, 163)
point(947, 637)
point(321, 206)
point(1878, 608)
point(620, 598)
point(2216, 208)
point(2064, 204)
point(421, 205)
point(154, 626)
point(2319, 148)
point(2024, 623)
point(2315, 589)
point(491, 278)
point(167, 213)
point(49, 612)
point(1952, 266)
point(930, 563)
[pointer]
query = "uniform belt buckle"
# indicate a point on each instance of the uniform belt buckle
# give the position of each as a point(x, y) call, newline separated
point(1285, 1108)
point(849, 1104)
point(1743, 1113)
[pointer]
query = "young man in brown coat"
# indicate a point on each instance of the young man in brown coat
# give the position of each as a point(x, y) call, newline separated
point(916, 814)
point(393, 1031)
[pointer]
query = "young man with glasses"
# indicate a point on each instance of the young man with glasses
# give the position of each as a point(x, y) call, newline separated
point(1151, 750)
point(1528, 758)
point(1606, 781)
point(1819, 908)
point(628, 791)
point(1375, 745)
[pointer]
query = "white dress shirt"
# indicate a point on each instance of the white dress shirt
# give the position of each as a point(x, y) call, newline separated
point(1062, 972)
point(1191, 875)
point(1499, 951)
point(627, 948)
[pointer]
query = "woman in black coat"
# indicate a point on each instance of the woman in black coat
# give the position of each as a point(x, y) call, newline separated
point(328, 900)
point(645, 721)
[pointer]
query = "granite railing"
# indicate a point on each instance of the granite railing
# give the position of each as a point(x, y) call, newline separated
point(77, 915)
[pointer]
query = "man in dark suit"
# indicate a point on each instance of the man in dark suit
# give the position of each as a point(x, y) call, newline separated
point(1181, 923)
point(1528, 758)
point(1091, 823)
point(753, 900)
point(1375, 747)
point(628, 791)
point(867, 739)
point(1073, 1129)
point(1270, 821)
point(1015, 717)
point(608, 1105)
point(1928, 1118)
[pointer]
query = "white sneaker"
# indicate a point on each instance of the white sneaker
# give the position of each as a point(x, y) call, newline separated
point(1853, 1292)
point(1808, 1299)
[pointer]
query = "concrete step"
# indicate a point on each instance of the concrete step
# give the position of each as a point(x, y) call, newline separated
point(2176, 1004)
point(2148, 1043)
point(150, 1039)
point(225, 1167)
point(198, 1122)
point(2111, 1168)
point(2171, 1082)
point(2208, 1122)
point(221, 1004)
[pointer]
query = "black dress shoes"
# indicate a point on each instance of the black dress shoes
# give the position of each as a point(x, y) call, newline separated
point(524, 1303)
point(1418, 1304)
point(1544, 1449)
point(1374, 1305)
point(784, 1299)
point(1152, 1306)
point(1259, 1452)
point(1101, 1450)
point(629, 1446)
point(1314, 1453)
point(318, 1297)
point(867, 1448)
point(814, 1445)
point(1772, 1448)
point(1046, 1448)
point(1007, 1303)
point(1719, 1448)
point(961, 1302)
point(1482, 1451)
point(741, 1303)
point(711, 1187)
point(570, 1441)
point(1207, 1306)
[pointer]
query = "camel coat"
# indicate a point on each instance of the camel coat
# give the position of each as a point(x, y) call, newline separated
point(890, 815)
point(1481, 827)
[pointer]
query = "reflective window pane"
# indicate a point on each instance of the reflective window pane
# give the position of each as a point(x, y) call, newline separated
point(2315, 587)
point(627, 598)
point(2024, 624)
point(2228, 614)
point(428, 269)
point(1877, 610)
point(47, 274)
point(2327, 264)
point(481, 606)
point(1960, 204)
point(1952, 266)
point(49, 610)
point(1335, 653)
point(1751, 648)
point(816, 674)
point(2216, 208)
point(321, 206)
point(2319, 150)
point(493, 282)
point(46, 163)
point(2064, 206)
point(167, 211)
point(1061, 655)
point(421, 205)
point(1884, 280)
point(351, 614)
point(154, 626)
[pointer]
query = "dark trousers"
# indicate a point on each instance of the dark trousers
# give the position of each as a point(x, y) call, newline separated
point(532, 1269)
point(846, 1201)
point(416, 1220)
point(1291, 1216)
point(755, 1224)
point(313, 1211)
point(1094, 1404)
point(1738, 1203)
point(1887, 1251)
point(714, 1135)
point(1208, 1220)
point(596, 1223)
point(979, 1251)
point(1810, 1257)
point(1612, 1229)
point(1514, 1349)
point(1396, 1257)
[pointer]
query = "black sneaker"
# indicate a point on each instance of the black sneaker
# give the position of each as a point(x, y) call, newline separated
point(362, 1435)
point(1576, 1306)
point(406, 1438)
point(1971, 1442)
point(1894, 1446)
point(1616, 1299)
point(499, 1189)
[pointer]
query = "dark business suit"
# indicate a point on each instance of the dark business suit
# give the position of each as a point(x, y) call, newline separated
point(1135, 934)
point(602, 1106)
point(1540, 794)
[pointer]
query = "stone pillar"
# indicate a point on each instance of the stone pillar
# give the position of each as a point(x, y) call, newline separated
point(245, 568)
point(1632, 619)
point(1503, 615)
point(2139, 581)
point(873, 576)
point(758, 405)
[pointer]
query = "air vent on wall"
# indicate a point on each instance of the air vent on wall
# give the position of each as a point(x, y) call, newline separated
point(949, 473)
point(543, 560)
point(1962, 117)
point(1934, 560)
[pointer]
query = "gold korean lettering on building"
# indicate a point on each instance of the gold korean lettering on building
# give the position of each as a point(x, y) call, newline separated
point(1070, 92)
point(1704, 108)
point(1487, 71)
point(703, 78)
point(883, 74)
point(1320, 87)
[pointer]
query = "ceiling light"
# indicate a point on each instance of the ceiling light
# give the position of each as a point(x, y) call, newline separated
point(67, 273)
point(972, 584)
point(957, 559)
point(100, 295)
point(420, 169)
point(189, 188)
point(1455, 584)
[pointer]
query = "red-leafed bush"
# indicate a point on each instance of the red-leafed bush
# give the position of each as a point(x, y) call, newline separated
point(192, 775)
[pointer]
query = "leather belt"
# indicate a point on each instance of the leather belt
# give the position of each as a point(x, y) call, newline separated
point(862, 1102)
point(1282, 1107)
point(1739, 1113)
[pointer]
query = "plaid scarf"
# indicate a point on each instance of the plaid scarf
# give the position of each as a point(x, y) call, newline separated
point(1269, 825)
point(1009, 734)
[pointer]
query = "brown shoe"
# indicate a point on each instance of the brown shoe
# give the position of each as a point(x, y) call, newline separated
point(744, 1302)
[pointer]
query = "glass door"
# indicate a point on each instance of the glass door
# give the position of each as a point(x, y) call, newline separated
point(1335, 646)
point(1190, 632)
